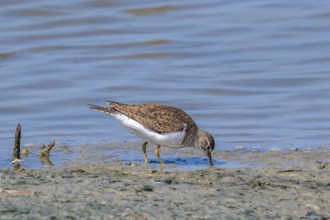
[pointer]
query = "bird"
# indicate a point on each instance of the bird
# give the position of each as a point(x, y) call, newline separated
point(160, 125)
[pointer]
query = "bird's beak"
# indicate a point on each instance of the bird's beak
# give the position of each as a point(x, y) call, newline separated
point(209, 155)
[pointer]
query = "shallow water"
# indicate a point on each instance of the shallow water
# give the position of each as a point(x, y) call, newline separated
point(126, 154)
point(255, 74)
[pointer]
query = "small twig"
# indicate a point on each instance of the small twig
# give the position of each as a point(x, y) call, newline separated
point(45, 150)
point(17, 147)
point(17, 191)
point(290, 170)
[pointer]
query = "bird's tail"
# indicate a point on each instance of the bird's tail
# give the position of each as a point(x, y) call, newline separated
point(102, 109)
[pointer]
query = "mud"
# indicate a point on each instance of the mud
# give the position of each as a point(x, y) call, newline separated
point(285, 185)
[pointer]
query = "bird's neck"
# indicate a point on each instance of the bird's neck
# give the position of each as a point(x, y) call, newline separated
point(189, 138)
point(199, 134)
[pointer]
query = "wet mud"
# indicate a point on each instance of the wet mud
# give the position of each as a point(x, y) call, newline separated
point(284, 185)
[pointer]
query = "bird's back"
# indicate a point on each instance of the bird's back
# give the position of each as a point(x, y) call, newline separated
point(159, 118)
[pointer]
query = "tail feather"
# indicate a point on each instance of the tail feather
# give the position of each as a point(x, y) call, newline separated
point(102, 109)
point(111, 103)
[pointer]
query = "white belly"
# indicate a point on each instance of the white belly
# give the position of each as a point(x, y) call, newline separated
point(173, 139)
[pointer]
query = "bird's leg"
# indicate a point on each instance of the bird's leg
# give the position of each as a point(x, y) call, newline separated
point(158, 156)
point(144, 148)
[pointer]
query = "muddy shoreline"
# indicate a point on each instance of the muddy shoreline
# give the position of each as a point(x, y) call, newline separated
point(290, 185)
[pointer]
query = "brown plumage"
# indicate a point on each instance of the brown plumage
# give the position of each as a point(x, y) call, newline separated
point(159, 118)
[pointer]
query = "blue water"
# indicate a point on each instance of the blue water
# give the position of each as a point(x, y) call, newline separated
point(255, 74)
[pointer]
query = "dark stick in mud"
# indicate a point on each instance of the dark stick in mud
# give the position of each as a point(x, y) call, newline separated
point(17, 146)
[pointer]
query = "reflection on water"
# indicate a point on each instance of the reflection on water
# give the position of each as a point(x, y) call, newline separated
point(255, 74)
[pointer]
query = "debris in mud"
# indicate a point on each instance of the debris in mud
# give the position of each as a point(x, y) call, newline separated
point(321, 164)
point(17, 146)
point(25, 152)
point(290, 170)
point(43, 155)
point(17, 191)
point(148, 188)
point(46, 150)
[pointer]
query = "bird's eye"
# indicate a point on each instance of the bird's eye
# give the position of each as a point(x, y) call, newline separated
point(208, 147)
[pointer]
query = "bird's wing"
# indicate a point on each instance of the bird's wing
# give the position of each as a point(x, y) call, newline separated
point(160, 118)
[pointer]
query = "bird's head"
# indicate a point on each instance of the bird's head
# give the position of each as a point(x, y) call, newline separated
point(205, 142)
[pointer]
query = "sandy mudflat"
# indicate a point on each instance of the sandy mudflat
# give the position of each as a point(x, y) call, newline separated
point(285, 185)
